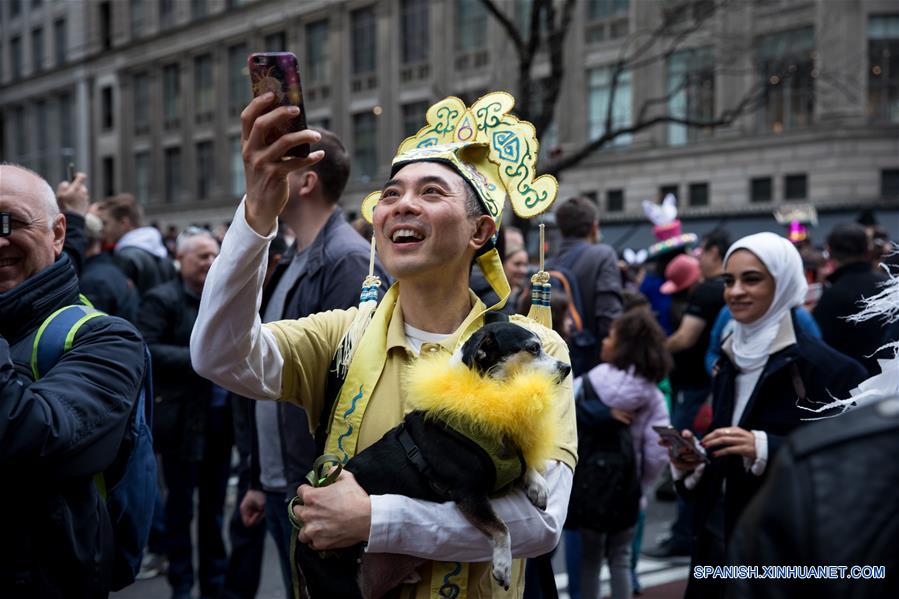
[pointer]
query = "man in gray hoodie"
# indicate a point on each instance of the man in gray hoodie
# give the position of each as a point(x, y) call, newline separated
point(139, 251)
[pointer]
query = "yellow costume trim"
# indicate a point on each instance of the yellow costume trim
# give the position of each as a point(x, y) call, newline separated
point(521, 409)
point(488, 146)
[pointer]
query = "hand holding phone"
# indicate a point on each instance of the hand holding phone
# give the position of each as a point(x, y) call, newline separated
point(274, 138)
point(278, 73)
point(72, 195)
point(682, 449)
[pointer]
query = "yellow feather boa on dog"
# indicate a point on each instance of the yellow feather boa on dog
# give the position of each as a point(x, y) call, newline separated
point(521, 409)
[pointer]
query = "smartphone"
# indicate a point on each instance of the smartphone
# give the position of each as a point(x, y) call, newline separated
point(70, 172)
point(673, 436)
point(277, 72)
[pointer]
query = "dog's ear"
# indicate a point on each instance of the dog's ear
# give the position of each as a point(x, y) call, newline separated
point(479, 352)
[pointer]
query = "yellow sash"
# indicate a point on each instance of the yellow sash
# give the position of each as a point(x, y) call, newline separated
point(448, 580)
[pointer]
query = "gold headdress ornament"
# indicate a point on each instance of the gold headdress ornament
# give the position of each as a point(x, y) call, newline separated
point(496, 153)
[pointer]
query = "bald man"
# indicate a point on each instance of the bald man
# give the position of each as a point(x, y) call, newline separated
point(56, 432)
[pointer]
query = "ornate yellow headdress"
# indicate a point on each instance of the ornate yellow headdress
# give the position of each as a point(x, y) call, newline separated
point(495, 152)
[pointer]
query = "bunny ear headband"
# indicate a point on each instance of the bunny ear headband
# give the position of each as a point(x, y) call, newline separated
point(667, 227)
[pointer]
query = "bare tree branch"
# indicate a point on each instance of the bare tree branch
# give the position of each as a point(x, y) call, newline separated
point(727, 117)
point(507, 24)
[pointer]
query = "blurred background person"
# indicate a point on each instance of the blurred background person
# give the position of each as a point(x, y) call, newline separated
point(620, 397)
point(139, 251)
point(102, 281)
point(193, 428)
point(852, 281)
point(595, 268)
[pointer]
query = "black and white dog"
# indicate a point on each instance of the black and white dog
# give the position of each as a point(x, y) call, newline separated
point(424, 459)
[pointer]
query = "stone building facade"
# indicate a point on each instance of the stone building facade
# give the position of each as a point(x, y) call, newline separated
point(145, 95)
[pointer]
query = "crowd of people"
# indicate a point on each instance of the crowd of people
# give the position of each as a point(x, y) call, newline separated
point(719, 338)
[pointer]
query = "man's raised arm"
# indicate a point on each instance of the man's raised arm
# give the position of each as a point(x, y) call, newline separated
point(228, 345)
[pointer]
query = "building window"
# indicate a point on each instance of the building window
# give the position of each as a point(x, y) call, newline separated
point(760, 189)
point(171, 96)
point(204, 110)
point(205, 169)
point(796, 187)
point(275, 42)
point(166, 13)
point(60, 41)
point(786, 65)
point(37, 49)
point(15, 7)
point(471, 26)
point(364, 40)
point(108, 176)
point(889, 183)
point(599, 94)
point(198, 9)
point(665, 190)
point(238, 79)
point(615, 200)
point(699, 194)
point(66, 130)
point(105, 25)
point(142, 177)
point(317, 52)
point(691, 93)
point(137, 17)
point(172, 174)
point(141, 104)
point(365, 156)
point(414, 117)
point(42, 164)
point(21, 148)
point(606, 20)
point(883, 67)
point(107, 120)
point(236, 163)
point(414, 31)
point(15, 51)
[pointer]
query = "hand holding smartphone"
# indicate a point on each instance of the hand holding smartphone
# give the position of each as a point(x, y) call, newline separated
point(277, 72)
point(681, 444)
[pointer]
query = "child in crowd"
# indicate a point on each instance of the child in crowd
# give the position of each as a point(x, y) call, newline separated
point(635, 361)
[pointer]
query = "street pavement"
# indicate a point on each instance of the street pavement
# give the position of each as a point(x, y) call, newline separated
point(660, 579)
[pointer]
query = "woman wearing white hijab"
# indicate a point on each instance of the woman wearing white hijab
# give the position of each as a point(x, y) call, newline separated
point(770, 379)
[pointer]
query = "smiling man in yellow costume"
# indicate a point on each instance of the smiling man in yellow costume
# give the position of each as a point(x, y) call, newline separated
point(438, 212)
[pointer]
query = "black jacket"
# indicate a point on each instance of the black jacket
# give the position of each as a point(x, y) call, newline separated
point(336, 265)
point(108, 288)
point(144, 269)
point(846, 286)
point(807, 367)
point(830, 499)
point(55, 434)
point(166, 319)
point(599, 282)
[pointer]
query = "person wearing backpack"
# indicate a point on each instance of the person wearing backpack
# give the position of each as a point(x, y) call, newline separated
point(593, 268)
point(619, 455)
point(66, 405)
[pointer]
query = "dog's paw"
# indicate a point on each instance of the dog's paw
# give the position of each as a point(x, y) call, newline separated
point(536, 488)
point(502, 571)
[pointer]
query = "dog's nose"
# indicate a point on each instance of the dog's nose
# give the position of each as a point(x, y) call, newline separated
point(564, 370)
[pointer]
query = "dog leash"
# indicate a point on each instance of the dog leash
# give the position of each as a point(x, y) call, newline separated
point(325, 470)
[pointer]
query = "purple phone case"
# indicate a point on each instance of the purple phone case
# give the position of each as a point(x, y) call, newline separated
point(277, 72)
